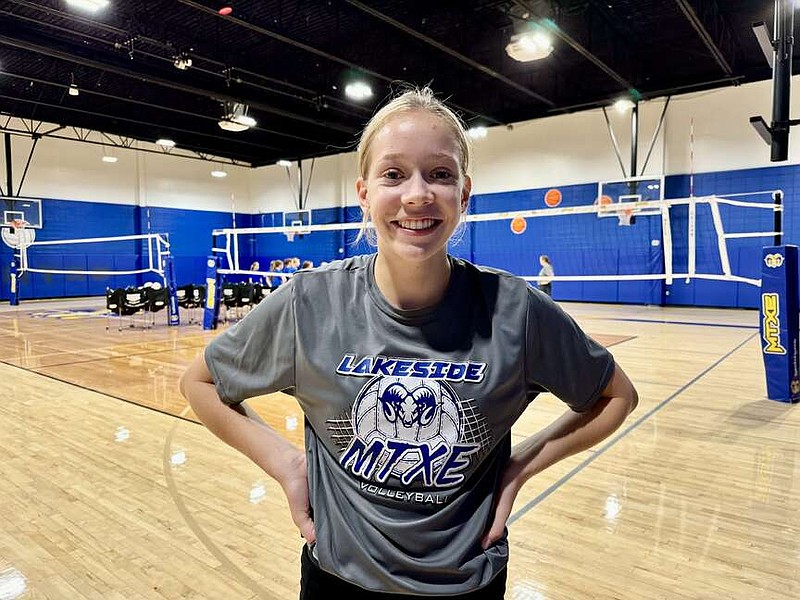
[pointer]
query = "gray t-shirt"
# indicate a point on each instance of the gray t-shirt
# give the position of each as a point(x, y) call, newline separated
point(408, 412)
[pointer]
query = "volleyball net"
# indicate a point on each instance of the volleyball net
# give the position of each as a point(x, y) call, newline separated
point(647, 249)
point(99, 262)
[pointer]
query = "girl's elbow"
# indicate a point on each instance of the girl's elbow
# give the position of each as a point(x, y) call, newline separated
point(633, 400)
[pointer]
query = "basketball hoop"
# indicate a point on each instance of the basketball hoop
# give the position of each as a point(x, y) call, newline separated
point(625, 217)
point(16, 234)
point(290, 236)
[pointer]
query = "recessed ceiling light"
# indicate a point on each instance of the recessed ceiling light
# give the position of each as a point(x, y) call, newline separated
point(358, 90)
point(88, 5)
point(165, 142)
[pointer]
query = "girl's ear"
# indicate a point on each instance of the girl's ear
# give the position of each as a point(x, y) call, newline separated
point(361, 192)
point(465, 192)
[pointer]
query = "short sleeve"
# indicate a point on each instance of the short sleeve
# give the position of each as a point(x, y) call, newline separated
point(256, 355)
point(561, 358)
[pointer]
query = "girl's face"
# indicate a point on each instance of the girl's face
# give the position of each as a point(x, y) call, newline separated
point(414, 190)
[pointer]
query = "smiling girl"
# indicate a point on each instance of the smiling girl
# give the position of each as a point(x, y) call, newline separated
point(411, 367)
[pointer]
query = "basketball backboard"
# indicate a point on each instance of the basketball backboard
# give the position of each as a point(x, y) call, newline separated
point(20, 208)
point(298, 220)
point(629, 190)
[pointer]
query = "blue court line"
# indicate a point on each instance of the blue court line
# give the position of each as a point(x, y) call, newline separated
point(617, 438)
point(688, 323)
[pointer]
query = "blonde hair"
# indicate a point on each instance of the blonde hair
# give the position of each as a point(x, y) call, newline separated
point(412, 99)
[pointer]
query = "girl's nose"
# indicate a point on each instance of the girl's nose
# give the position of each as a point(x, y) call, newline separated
point(418, 191)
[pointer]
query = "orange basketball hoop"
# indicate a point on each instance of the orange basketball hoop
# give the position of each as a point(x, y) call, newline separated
point(625, 217)
point(16, 234)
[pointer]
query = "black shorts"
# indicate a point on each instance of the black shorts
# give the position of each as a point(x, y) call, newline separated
point(316, 584)
point(547, 288)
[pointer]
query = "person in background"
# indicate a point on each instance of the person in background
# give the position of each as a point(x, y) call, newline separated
point(275, 266)
point(546, 274)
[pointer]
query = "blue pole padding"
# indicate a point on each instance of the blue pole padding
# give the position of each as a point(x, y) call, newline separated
point(13, 298)
point(211, 309)
point(168, 268)
point(779, 322)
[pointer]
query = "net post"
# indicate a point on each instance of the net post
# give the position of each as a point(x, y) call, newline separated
point(778, 218)
point(13, 298)
point(211, 308)
point(779, 321)
point(168, 270)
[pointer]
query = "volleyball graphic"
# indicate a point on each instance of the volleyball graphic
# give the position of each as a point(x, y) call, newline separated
point(407, 409)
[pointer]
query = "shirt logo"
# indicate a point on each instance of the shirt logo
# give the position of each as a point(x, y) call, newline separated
point(409, 435)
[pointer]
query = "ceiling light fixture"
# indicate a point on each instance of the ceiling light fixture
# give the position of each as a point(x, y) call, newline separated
point(88, 5)
point(237, 119)
point(530, 46)
point(284, 163)
point(165, 143)
point(73, 88)
point(182, 61)
point(109, 159)
point(358, 90)
point(219, 173)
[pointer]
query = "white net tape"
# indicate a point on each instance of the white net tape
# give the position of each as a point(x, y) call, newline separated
point(626, 214)
point(156, 248)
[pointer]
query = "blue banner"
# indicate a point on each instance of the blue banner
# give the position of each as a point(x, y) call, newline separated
point(779, 322)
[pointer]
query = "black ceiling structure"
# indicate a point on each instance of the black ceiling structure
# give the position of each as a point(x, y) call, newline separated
point(289, 61)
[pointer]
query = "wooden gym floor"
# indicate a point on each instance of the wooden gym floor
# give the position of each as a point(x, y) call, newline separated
point(110, 489)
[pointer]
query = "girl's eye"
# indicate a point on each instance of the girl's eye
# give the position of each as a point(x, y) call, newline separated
point(392, 174)
point(442, 174)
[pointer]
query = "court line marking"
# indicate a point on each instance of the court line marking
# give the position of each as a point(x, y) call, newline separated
point(635, 425)
point(102, 393)
point(669, 322)
point(226, 563)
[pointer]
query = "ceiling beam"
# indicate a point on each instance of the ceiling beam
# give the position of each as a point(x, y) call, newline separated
point(177, 152)
point(697, 24)
point(141, 103)
point(447, 50)
point(316, 51)
point(155, 126)
point(147, 78)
